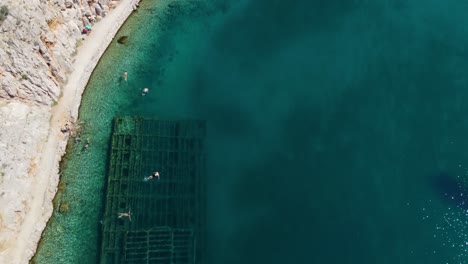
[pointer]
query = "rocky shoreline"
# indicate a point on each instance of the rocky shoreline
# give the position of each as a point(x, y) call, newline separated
point(44, 68)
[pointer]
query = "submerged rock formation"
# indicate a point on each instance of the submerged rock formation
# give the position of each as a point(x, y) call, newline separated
point(123, 40)
point(38, 44)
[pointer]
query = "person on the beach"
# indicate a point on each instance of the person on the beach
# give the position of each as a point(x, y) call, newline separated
point(145, 91)
point(65, 129)
point(152, 176)
point(128, 214)
point(125, 75)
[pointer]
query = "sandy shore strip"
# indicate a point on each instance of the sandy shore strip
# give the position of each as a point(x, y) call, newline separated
point(47, 177)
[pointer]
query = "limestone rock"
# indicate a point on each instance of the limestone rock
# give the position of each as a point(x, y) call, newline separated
point(36, 43)
point(37, 40)
point(97, 9)
point(24, 128)
point(105, 9)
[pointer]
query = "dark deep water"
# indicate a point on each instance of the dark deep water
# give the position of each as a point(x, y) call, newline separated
point(329, 122)
point(337, 130)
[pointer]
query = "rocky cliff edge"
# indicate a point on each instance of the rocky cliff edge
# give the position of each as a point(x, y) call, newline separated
point(38, 44)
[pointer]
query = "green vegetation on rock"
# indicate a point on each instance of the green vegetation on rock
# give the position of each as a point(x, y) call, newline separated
point(3, 13)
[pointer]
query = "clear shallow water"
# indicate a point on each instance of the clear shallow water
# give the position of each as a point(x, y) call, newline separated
point(337, 131)
point(72, 237)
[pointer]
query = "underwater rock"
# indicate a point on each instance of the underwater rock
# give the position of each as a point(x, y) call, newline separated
point(64, 208)
point(123, 40)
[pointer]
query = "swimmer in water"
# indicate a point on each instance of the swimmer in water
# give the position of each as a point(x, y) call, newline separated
point(125, 75)
point(145, 91)
point(155, 174)
point(86, 146)
point(128, 214)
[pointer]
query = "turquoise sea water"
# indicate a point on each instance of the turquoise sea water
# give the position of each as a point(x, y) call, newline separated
point(337, 130)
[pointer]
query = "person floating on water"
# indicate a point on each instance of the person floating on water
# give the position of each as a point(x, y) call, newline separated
point(125, 75)
point(145, 91)
point(128, 214)
point(86, 146)
point(152, 176)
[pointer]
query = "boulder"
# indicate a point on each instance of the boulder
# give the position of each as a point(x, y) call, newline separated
point(86, 21)
point(123, 39)
point(105, 10)
point(97, 9)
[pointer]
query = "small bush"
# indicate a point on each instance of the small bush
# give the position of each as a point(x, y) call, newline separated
point(3, 13)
